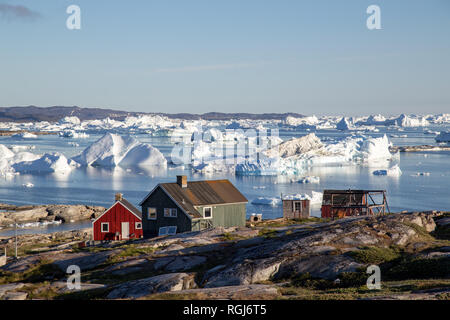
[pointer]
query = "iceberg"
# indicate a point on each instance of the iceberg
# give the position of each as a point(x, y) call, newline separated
point(296, 146)
point(315, 197)
point(5, 153)
point(48, 163)
point(267, 201)
point(24, 135)
point(394, 172)
point(309, 180)
point(443, 137)
point(112, 150)
point(73, 134)
point(343, 125)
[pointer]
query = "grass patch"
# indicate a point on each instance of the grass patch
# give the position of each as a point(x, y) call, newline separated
point(346, 280)
point(418, 268)
point(43, 271)
point(421, 231)
point(375, 255)
point(267, 233)
point(129, 251)
point(291, 222)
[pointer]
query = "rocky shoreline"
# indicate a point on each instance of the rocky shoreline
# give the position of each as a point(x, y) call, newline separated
point(37, 133)
point(420, 148)
point(47, 213)
point(307, 259)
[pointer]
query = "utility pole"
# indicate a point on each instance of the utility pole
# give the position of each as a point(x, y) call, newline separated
point(15, 234)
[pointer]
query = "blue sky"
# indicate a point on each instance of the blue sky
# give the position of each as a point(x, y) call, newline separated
point(310, 57)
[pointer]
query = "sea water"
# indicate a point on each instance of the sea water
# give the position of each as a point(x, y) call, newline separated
point(97, 186)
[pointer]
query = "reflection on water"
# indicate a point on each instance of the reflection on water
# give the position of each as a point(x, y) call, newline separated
point(97, 186)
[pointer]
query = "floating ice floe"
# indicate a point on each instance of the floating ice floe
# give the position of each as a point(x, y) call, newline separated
point(315, 199)
point(24, 135)
point(267, 201)
point(113, 150)
point(311, 179)
point(73, 134)
point(394, 171)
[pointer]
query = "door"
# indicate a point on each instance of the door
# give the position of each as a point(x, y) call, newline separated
point(125, 230)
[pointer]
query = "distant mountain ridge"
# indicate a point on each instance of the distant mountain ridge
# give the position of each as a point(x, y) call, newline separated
point(56, 113)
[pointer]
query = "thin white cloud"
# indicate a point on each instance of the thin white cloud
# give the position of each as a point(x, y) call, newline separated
point(209, 67)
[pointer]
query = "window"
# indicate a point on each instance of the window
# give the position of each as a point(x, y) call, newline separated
point(105, 227)
point(163, 231)
point(151, 213)
point(138, 225)
point(170, 212)
point(207, 212)
point(297, 206)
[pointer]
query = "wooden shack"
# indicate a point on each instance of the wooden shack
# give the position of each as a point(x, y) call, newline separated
point(296, 209)
point(345, 203)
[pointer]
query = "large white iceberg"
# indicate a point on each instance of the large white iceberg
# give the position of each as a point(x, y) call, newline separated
point(112, 150)
point(48, 163)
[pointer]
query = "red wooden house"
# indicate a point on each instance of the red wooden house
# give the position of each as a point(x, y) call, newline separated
point(120, 222)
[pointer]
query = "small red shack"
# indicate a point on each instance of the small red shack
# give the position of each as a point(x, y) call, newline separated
point(120, 222)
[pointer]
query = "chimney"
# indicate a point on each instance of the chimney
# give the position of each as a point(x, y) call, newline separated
point(119, 197)
point(182, 181)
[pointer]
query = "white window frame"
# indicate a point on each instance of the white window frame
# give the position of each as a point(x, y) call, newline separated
point(166, 231)
point(169, 212)
point(204, 209)
point(101, 227)
point(138, 225)
point(148, 213)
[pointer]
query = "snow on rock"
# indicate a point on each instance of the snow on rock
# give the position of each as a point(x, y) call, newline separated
point(112, 149)
point(48, 163)
point(443, 137)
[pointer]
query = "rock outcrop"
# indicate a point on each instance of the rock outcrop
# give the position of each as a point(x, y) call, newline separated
point(64, 213)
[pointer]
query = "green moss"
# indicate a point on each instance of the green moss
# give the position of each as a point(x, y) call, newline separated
point(41, 272)
point(418, 268)
point(267, 233)
point(375, 255)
